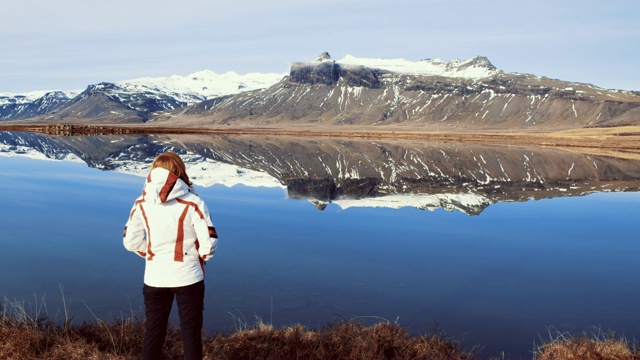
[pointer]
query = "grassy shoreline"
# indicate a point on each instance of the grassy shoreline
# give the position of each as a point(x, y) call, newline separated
point(27, 337)
point(622, 139)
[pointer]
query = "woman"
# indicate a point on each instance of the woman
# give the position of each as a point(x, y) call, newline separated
point(170, 227)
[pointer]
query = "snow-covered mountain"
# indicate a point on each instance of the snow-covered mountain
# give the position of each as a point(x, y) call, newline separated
point(469, 94)
point(130, 100)
point(29, 97)
point(432, 93)
point(32, 104)
point(351, 173)
point(200, 86)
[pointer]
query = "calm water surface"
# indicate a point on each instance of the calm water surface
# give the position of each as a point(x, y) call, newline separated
point(501, 279)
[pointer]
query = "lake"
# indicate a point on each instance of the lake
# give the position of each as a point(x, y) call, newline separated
point(497, 245)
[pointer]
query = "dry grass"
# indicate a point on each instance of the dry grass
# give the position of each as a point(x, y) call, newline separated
point(27, 337)
point(349, 340)
point(597, 346)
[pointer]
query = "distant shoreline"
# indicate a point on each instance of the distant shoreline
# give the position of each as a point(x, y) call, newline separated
point(624, 139)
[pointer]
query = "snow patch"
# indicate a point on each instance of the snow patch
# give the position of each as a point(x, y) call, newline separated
point(450, 202)
point(467, 69)
point(206, 173)
point(202, 85)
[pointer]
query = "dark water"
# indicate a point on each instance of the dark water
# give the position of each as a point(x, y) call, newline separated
point(503, 278)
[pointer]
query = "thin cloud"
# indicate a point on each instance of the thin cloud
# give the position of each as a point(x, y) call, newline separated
point(69, 44)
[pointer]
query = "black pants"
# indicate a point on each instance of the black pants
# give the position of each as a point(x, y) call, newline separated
point(158, 302)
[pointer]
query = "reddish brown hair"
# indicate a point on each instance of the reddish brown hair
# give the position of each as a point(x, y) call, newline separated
point(172, 162)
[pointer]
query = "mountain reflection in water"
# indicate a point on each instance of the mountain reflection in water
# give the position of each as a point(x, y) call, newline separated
point(351, 173)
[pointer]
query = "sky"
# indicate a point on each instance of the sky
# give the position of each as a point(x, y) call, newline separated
point(69, 44)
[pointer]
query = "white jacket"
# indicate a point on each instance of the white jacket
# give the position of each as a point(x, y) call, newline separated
point(170, 227)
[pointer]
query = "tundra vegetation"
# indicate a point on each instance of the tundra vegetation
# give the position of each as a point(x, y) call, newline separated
point(28, 336)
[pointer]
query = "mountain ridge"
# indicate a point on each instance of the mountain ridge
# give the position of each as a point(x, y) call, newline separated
point(327, 93)
point(458, 94)
point(131, 100)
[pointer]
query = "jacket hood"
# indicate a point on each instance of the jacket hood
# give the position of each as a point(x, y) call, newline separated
point(162, 186)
